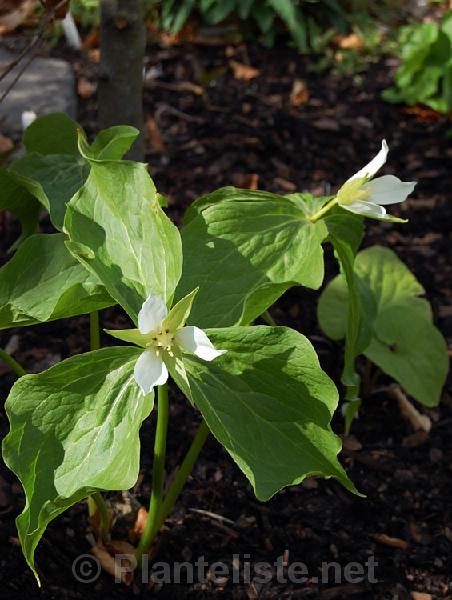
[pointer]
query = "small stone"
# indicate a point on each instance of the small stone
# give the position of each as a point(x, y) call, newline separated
point(46, 85)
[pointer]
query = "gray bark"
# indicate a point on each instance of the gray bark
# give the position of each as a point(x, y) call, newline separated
point(122, 46)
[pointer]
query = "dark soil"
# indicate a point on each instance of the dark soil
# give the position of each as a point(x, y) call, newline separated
point(200, 142)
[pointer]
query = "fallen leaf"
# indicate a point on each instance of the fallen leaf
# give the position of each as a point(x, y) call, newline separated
point(85, 88)
point(423, 113)
point(140, 523)
point(247, 182)
point(94, 55)
point(242, 71)
point(300, 93)
point(409, 412)
point(154, 138)
point(6, 144)
point(91, 40)
point(349, 42)
point(387, 540)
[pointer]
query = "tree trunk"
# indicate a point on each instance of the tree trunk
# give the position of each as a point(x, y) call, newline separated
point(122, 46)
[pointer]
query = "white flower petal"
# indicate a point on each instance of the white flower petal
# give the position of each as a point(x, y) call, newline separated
point(388, 189)
point(375, 164)
point(150, 370)
point(367, 209)
point(195, 340)
point(152, 313)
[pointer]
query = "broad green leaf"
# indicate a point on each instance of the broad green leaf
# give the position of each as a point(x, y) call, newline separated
point(17, 200)
point(119, 232)
point(387, 276)
point(268, 402)
point(53, 179)
point(409, 348)
point(244, 249)
point(74, 429)
point(55, 133)
point(113, 143)
point(386, 289)
point(44, 282)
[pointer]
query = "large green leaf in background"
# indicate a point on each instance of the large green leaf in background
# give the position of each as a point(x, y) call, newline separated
point(268, 402)
point(403, 340)
point(119, 232)
point(54, 169)
point(53, 179)
point(244, 249)
point(17, 200)
point(74, 429)
point(44, 282)
point(55, 133)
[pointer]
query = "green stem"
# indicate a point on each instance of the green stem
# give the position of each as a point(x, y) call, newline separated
point(184, 472)
point(100, 506)
point(266, 316)
point(328, 206)
point(94, 333)
point(158, 475)
point(12, 362)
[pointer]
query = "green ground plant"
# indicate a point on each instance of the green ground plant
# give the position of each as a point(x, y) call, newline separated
point(192, 297)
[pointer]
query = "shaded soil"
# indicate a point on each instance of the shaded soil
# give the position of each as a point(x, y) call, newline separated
point(234, 130)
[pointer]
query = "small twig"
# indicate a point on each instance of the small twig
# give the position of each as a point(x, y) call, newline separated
point(46, 18)
point(212, 515)
point(19, 74)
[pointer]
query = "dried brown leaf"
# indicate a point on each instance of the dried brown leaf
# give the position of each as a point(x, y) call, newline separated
point(85, 88)
point(6, 144)
point(387, 540)
point(242, 71)
point(299, 95)
point(349, 42)
point(154, 138)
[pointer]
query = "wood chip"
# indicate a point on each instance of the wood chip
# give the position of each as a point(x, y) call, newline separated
point(387, 540)
point(420, 596)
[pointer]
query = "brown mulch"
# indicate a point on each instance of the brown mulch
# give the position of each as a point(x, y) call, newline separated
point(243, 131)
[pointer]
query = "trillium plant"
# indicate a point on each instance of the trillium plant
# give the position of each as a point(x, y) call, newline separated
point(196, 300)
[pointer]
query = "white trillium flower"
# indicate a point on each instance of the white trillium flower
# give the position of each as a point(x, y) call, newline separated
point(162, 335)
point(366, 196)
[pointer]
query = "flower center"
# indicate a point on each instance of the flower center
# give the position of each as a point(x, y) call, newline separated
point(163, 339)
point(353, 191)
